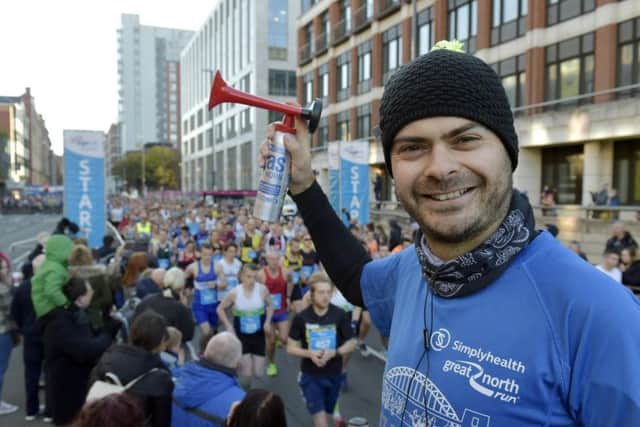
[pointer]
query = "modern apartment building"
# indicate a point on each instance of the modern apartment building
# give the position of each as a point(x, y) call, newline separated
point(149, 83)
point(253, 44)
point(25, 146)
point(112, 153)
point(571, 69)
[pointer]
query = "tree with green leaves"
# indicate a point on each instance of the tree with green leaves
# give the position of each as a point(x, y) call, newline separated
point(161, 168)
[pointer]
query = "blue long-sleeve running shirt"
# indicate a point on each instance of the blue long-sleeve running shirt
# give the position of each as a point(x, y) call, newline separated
point(552, 342)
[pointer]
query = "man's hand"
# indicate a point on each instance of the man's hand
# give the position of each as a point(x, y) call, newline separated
point(328, 355)
point(299, 147)
point(317, 358)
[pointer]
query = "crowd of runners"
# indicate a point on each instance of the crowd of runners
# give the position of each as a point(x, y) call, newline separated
point(212, 272)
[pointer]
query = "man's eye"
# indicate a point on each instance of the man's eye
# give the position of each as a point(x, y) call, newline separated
point(467, 139)
point(409, 148)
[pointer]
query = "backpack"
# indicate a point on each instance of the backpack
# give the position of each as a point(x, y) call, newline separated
point(112, 385)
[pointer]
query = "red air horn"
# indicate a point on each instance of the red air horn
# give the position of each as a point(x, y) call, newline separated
point(221, 92)
point(277, 166)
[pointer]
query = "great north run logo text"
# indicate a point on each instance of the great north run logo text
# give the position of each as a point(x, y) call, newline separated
point(503, 389)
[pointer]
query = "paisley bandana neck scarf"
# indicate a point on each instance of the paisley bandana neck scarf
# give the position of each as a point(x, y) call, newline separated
point(481, 266)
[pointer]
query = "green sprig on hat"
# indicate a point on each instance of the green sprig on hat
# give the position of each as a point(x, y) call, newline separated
point(452, 45)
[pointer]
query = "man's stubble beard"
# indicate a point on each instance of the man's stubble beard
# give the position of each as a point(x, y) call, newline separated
point(497, 201)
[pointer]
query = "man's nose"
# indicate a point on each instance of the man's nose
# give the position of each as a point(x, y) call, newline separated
point(442, 162)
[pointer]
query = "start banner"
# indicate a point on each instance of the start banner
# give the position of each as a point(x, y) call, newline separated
point(84, 192)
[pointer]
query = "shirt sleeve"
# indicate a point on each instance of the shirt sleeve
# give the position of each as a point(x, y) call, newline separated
point(344, 326)
point(604, 374)
point(295, 333)
point(340, 252)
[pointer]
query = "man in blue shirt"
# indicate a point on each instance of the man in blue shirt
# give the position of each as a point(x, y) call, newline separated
point(489, 321)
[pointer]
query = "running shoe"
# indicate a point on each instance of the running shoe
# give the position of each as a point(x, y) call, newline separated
point(7, 408)
point(364, 350)
point(30, 418)
point(272, 370)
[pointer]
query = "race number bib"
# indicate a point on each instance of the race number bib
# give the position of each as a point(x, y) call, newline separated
point(250, 324)
point(252, 254)
point(232, 282)
point(277, 301)
point(208, 296)
point(295, 276)
point(164, 263)
point(321, 337)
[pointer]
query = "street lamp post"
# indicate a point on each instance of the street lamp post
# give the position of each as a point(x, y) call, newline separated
point(210, 73)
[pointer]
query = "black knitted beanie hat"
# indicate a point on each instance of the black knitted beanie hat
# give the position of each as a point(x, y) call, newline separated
point(446, 82)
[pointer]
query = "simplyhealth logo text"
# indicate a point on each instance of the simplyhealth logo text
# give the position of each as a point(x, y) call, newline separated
point(503, 389)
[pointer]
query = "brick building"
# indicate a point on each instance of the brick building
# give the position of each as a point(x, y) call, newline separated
point(571, 69)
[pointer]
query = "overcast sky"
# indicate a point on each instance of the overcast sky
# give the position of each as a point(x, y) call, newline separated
point(66, 51)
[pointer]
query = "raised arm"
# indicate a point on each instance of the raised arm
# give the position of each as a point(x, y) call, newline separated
point(341, 254)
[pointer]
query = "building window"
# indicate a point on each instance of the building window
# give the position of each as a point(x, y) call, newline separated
point(246, 169)
point(562, 169)
point(282, 83)
point(231, 166)
point(274, 116)
point(245, 120)
point(231, 127)
point(200, 142)
point(192, 121)
point(344, 76)
point(323, 82)
point(309, 47)
point(561, 10)
point(210, 137)
point(200, 117)
point(364, 67)
point(364, 121)
point(426, 31)
point(509, 20)
point(278, 27)
point(344, 26)
point(391, 51)
point(185, 127)
point(323, 132)
point(308, 88)
point(463, 22)
point(569, 68)
point(193, 145)
point(343, 130)
point(323, 37)
point(626, 167)
point(512, 72)
point(218, 133)
point(629, 55)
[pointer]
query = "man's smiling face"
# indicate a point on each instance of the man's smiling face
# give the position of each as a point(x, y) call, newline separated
point(453, 176)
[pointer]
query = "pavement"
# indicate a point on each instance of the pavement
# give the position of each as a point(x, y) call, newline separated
point(362, 397)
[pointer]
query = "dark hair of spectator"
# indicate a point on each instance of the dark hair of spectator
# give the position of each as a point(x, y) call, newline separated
point(259, 408)
point(148, 330)
point(249, 266)
point(185, 228)
point(632, 251)
point(75, 288)
point(609, 251)
point(115, 410)
point(206, 246)
point(230, 245)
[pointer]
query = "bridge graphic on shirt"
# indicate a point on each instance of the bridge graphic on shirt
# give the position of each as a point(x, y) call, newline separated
point(440, 412)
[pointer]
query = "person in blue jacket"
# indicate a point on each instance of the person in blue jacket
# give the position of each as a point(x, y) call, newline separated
point(489, 322)
point(206, 390)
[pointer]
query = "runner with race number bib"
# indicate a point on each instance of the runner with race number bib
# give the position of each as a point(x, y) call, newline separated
point(252, 313)
point(208, 279)
point(274, 278)
point(321, 335)
point(230, 267)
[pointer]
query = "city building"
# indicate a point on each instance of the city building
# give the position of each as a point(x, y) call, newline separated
point(112, 153)
point(253, 44)
point(149, 83)
point(571, 69)
point(25, 147)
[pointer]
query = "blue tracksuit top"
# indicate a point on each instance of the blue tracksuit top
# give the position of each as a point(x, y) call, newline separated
point(209, 390)
point(552, 342)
